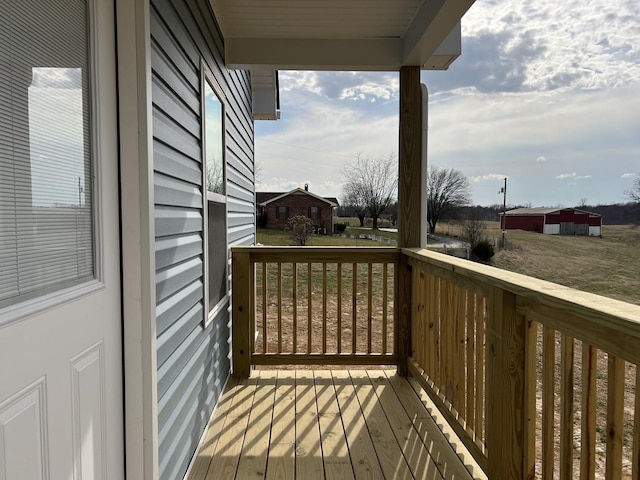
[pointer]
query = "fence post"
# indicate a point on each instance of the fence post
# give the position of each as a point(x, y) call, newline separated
point(242, 315)
point(507, 408)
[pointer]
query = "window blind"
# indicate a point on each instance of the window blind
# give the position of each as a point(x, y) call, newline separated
point(46, 210)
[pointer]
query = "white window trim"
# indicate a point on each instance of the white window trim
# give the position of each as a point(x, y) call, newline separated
point(206, 76)
point(26, 308)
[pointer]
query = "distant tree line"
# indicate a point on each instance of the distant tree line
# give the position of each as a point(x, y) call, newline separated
point(371, 185)
point(616, 213)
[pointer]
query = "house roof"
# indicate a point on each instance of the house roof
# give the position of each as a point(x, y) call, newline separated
point(381, 35)
point(264, 198)
point(545, 211)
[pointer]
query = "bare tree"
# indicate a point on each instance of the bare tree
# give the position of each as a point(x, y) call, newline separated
point(447, 189)
point(633, 193)
point(352, 198)
point(374, 182)
point(299, 228)
point(473, 228)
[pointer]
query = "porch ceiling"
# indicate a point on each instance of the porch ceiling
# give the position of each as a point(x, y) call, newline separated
point(379, 35)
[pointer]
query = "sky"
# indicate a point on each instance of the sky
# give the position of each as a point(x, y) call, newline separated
point(545, 93)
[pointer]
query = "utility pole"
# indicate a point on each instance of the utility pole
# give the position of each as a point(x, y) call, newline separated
point(503, 223)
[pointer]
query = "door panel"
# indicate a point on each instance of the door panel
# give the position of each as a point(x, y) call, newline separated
point(61, 367)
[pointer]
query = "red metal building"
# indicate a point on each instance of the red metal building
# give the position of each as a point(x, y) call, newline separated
point(554, 221)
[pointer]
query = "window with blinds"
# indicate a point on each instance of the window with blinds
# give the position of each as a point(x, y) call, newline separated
point(46, 206)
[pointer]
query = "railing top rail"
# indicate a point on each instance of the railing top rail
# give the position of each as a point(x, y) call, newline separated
point(319, 254)
point(567, 309)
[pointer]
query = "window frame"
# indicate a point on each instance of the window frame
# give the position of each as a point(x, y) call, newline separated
point(207, 78)
point(32, 305)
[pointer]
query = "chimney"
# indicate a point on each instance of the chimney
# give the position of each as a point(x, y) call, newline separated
point(306, 187)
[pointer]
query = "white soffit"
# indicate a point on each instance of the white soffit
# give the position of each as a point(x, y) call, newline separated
point(340, 34)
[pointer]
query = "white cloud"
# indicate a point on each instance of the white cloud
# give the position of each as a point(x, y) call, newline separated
point(533, 77)
point(490, 176)
point(584, 45)
point(566, 175)
point(572, 175)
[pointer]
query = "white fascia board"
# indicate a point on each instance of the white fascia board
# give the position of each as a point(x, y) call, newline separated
point(447, 52)
point(375, 54)
point(433, 23)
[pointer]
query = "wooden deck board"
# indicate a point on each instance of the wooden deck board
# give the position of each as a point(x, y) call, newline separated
point(391, 459)
point(281, 462)
point(324, 424)
point(224, 462)
point(420, 462)
point(434, 440)
point(335, 453)
point(308, 450)
point(363, 454)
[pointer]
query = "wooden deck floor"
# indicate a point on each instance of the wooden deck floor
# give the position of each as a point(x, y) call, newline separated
point(324, 424)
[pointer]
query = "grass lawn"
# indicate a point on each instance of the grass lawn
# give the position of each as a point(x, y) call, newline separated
point(608, 266)
point(276, 237)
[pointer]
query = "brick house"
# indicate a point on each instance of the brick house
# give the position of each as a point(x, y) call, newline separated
point(280, 206)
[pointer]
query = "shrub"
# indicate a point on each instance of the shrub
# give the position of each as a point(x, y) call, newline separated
point(299, 228)
point(341, 227)
point(483, 250)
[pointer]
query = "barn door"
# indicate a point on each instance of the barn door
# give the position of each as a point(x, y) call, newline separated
point(60, 324)
point(567, 228)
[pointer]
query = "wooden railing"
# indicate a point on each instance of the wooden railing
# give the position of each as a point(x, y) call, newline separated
point(537, 380)
point(310, 305)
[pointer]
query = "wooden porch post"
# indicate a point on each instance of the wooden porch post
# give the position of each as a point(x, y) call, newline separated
point(242, 313)
point(409, 198)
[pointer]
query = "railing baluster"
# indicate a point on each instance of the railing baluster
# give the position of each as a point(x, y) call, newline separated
point(449, 341)
point(481, 404)
point(354, 306)
point(264, 307)
point(566, 411)
point(432, 331)
point(279, 307)
point(471, 357)
point(418, 329)
point(615, 417)
point(530, 365)
point(339, 329)
point(294, 295)
point(635, 457)
point(588, 428)
point(369, 307)
point(548, 399)
point(324, 307)
point(460, 339)
point(309, 308)
point(455, 346)
point(385, 301)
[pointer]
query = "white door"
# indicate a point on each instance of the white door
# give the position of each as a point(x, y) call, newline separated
point(61, 403)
